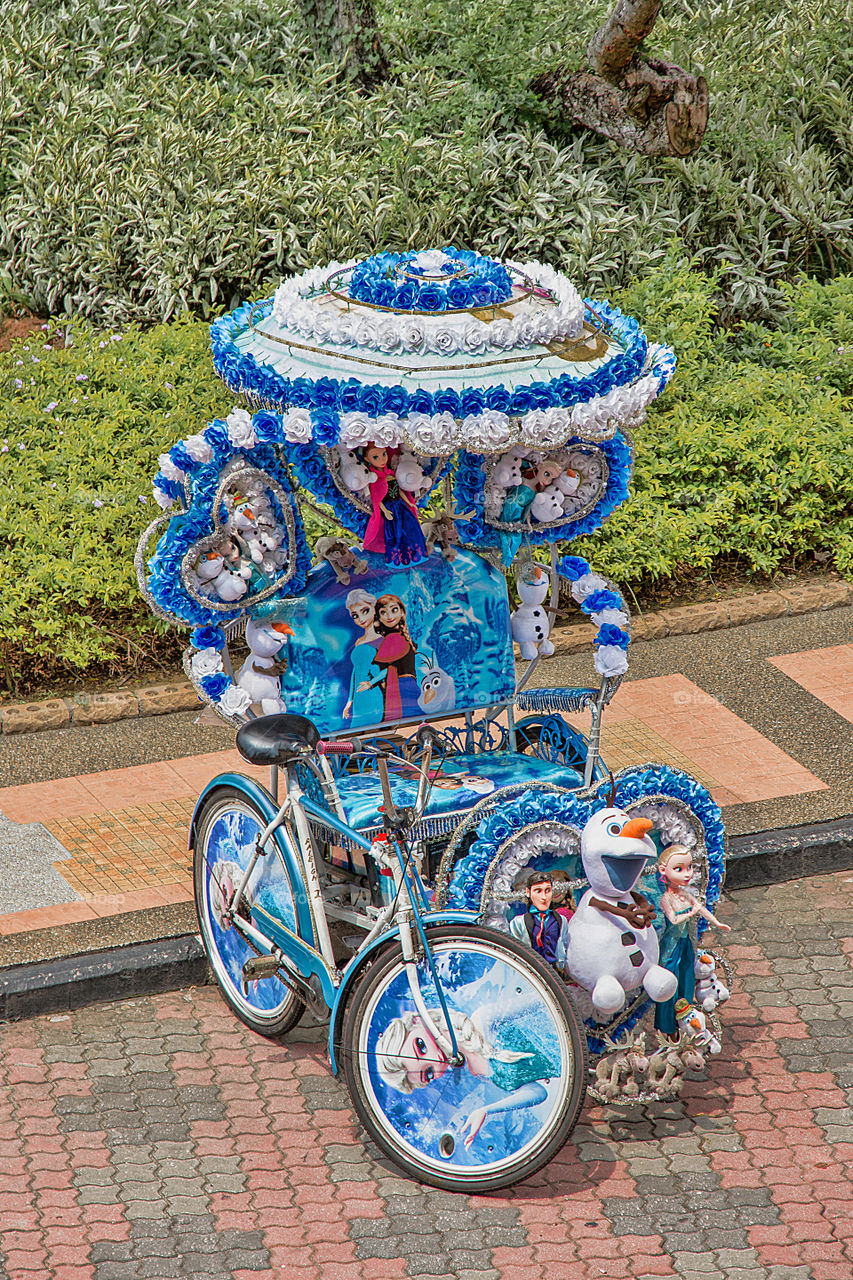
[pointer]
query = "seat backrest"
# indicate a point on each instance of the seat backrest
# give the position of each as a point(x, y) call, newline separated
point(397, 643)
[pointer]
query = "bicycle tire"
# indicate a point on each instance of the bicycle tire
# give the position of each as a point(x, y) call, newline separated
point(423, 1129)
point(225, 835)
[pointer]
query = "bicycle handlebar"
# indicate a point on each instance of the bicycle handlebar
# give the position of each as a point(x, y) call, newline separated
point(334, 748)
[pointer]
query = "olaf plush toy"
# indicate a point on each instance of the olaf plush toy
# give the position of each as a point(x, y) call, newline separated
point(613, 947)
point(260, 673)
point(530, 623)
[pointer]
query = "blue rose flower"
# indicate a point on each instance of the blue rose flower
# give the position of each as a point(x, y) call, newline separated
point(207, 638)
point(302, 393)
point(572, 567)
point(472, 401)
point(394, 400)
point(458, 294)
point(521, 401)
point(267, 426)
point(385, 295)
point(407, 297)
point(371, 400)
point(447, 401)
point(181, 458)
point(498, 398)
point(326, 425)
point(350, 395)
point(325, 391)
point(602, 600)
point(431, 298)
point(215, 686)
point(608, 634)
point(420, 401)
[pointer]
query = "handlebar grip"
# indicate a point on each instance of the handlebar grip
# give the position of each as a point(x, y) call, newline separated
point(335, 748)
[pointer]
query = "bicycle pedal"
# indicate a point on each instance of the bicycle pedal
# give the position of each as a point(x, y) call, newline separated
point(258, 967)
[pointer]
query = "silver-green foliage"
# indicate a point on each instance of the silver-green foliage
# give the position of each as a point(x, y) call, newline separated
point(162, 156)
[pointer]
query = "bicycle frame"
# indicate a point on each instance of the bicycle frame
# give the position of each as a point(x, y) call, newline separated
point(307, 967)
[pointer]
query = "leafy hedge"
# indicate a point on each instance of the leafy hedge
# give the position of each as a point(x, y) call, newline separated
point(156, 156)
point(747, 458)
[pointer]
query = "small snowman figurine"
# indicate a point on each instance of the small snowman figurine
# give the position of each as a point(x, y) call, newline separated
point(530, 622)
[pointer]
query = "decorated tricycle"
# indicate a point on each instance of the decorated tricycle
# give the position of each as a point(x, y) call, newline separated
point(441, 863)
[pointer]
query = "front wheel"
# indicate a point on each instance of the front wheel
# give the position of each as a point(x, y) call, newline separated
point(508, 1108)
point(226, 834)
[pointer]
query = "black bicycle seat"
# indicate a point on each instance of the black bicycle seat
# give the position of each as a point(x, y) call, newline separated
point(276, 739)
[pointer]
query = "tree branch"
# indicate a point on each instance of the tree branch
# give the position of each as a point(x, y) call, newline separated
point(644, 104)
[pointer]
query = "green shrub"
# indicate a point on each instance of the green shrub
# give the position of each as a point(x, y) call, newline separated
point(156, 157)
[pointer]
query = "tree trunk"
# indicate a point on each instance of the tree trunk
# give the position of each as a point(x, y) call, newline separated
point(644, 104)
point(345, 32)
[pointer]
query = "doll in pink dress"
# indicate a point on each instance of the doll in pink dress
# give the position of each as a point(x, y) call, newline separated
point(393, 530)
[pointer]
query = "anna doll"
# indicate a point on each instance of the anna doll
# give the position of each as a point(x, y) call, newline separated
point(393, 529)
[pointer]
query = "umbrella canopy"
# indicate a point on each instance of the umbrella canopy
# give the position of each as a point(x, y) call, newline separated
point(438, 351)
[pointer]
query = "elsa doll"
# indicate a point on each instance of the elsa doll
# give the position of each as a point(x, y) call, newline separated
point(408, 1058)
point(680, 906)
point(365, 701)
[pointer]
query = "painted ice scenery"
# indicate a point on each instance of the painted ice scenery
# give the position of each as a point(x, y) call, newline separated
point(497, 1104)
point(230, 845)
point(396, 644)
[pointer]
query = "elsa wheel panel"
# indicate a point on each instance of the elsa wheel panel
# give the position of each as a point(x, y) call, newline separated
point(226, 833)
point(509, 1108)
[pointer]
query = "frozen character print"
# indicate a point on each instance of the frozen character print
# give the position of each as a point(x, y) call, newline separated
point(365, 700)
point(393, 529)
point(408, 1058)
point(397, 659)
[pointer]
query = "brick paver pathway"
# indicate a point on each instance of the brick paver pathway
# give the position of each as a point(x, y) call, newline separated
point(825, 673)
point(159, 1138)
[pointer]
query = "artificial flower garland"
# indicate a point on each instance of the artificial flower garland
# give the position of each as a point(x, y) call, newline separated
point(418, 414)
point(401, 332)
point(430, 280)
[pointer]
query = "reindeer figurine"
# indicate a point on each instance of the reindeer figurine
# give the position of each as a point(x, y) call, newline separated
point(441, 529)
point(341, 557)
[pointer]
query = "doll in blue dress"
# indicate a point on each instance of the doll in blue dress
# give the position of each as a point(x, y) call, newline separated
point(677, 952)
point(365, 700)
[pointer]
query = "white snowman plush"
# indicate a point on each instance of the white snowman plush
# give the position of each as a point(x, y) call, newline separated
point(530, 622)
point(547, 505)
point(355, 475)
point(410, 474)
point(507, 471)
point(260, 673)
point(694, 1024)
point(710, 991)
point(613, 947)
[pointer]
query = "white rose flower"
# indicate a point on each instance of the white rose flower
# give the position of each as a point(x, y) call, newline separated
point(534, 427)
point(413, 334)
point(441, 340)
point(170, 471)
point(387, 430)
point(610, 660)
point(296, 425)
point(432, 435)
point(474, 337)
point(363, 334)
point(356, 429)
point(494, 428)
point(198, 448)
point(586, 584)
point(342, 331)
point(162, 499)
point(430, 260)
point(234, 701)
point(502, 334)
point(206, 662)
point(323, 327)
point(616, 618)
point(388, 337)
point(240, 431)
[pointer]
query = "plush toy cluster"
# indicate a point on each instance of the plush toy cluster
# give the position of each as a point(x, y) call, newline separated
point(543, 486)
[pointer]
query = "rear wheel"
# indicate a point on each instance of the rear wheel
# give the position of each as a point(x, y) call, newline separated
point(508, 1108)
point(226, 835)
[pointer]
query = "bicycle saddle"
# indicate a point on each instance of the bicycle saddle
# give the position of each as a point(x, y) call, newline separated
point(276, 739)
